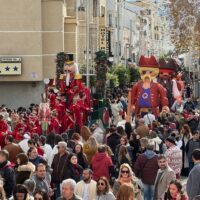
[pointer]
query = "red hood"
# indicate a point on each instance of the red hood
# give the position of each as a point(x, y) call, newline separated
point(100, 156)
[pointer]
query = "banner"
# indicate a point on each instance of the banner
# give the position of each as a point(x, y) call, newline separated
point(102, 39)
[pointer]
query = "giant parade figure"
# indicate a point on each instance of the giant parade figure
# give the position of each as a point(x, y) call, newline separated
point(147, 94)
point(170, 79)
point(77, 95)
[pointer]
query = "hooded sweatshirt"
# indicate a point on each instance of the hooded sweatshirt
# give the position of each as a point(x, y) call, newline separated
point(100, 165)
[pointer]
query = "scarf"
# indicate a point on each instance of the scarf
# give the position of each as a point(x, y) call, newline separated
point(127, 180)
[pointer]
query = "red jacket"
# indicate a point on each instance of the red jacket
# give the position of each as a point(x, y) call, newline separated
point(100, 165)
point(158, 96)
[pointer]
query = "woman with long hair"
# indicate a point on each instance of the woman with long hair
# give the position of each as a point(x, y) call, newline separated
point(123, 156)
point(175, 191)
point(82, 158)
point(126, 176)
point(90, 148)
point(85, 133)
point(74, 170)
point(125, 192)
point(23, 169)
point(20, 192)
point(41, 195)
point(124, 141)
point(103, 188)
point(186, 135)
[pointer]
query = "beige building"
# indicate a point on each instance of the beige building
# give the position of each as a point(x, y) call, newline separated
point(35, 31)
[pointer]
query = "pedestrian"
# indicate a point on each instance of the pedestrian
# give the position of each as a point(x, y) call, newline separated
point(102, 164)
point(175, 191)
point(7, 173)
point(146, 167)
point(41, 195)
point(20, 192)
point(33, 156)
point(90, 148)
point(68, 190)
point(74, 170)
point(12, 148)
point(142, 130)
point(40, 179)
point(126, 176)
point(126, 192)
point(59, 166)
point(174, 155)
point(164, 176)
point(193, 181)
point(193, 143)
point(23, 169)
point(82, 158)
point(86, 188)
point(102, 191)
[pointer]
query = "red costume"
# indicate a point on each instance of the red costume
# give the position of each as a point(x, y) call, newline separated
point(147, 94)
point(78, 96)
point(3, 131)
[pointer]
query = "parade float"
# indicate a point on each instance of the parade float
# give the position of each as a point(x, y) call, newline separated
point(170, 78)
point(147, 94)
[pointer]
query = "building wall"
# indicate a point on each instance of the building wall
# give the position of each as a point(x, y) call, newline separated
point(33, 30)
point(16, 94)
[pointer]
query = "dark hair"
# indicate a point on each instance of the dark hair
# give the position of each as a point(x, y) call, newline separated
point(4, 153)
point(195, 132)
point(105, 180)
point(162, 156)
point(196, 154)
point(23, 158)
point(101, 148)
point(20, 189)
point(30, 150)
point(43, 194)
point(9, 138)
point(178, 184)
point(70, 156)
point(42, 139)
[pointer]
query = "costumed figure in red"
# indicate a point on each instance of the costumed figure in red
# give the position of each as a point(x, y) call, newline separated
point(170, 79)
point(147, 93)
point(77, 95)
point(44, 114)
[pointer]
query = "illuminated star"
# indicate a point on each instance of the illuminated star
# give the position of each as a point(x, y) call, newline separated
point(7, 68)
point(15, 68)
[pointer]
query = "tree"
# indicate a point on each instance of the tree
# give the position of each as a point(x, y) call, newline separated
point(123, 75)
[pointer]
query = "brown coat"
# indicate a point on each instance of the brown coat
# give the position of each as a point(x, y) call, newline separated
point(158, 96)
point(163, 184)
point(13, 150)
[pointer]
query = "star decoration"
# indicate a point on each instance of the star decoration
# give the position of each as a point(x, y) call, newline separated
point(7, 68)
point(15, 68)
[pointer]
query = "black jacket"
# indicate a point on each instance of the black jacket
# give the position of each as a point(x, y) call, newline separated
point(113, 140)
point(7, 173)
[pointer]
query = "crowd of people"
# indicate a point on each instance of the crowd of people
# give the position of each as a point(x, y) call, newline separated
point(144, 159)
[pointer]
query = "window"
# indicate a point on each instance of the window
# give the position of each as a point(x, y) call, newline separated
point(95, 6)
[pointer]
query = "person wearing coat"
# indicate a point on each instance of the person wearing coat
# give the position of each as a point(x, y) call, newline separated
point(23, 169)
point(164, 176)
point(87, 186)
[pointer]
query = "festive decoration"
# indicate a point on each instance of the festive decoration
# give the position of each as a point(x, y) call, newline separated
point(170, 79)
point(146, 93)
point(69, 83)
point(101, 60)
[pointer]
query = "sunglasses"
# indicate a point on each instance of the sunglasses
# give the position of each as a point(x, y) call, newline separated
point(101, 183)
point(124, 172)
